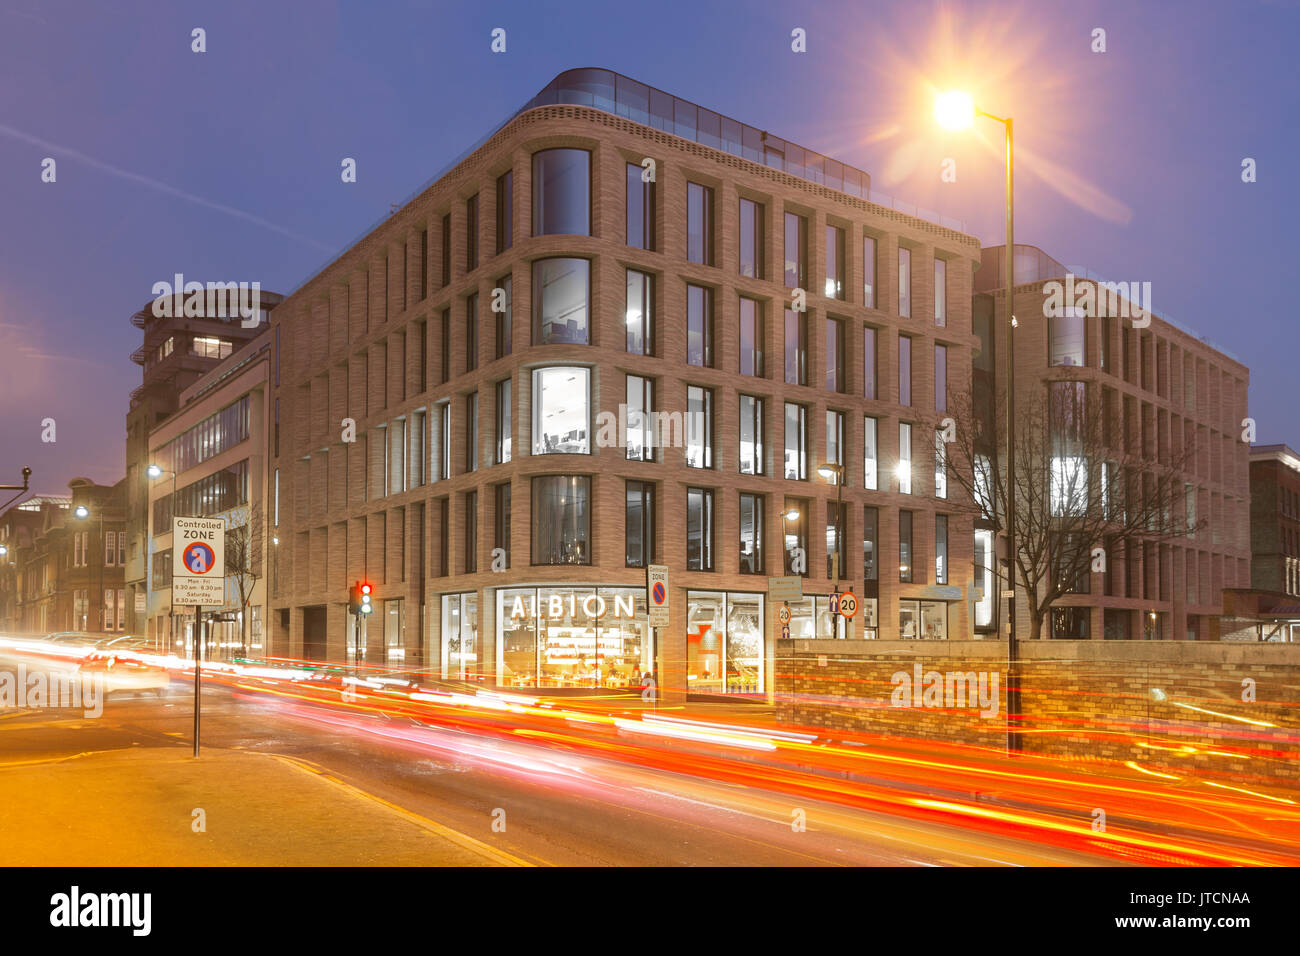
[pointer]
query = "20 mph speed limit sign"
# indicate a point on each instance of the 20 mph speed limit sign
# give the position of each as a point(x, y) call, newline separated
point(848, 605)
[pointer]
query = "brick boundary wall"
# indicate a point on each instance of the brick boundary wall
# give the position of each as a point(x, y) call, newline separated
point(1169, 707)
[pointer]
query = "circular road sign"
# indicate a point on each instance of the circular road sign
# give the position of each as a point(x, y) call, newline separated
point(198, 557)
point(783, 615)
point(848, 605)
point(659, 593)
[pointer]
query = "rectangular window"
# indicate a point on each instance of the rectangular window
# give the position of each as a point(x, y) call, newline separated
point(1066, 335)
point(835, 438)
point(110, 548)
point(444, 442)
point(794, 535)
point(505, 211)
point(561, 294)
point(751, 238)
point(870, 548)
point(904, 458)
point(471, 432)
point(446, 250)
point(699, 427)
point(796, 348)
point(505, 416)
point(121, 547)
point(640, 438)
point(869, 362)
point(502, 521)
point(796, 251)
point(904, 370)
point(561, 519)
point(940, 292)
point(504, 294)
point(940, 466)
point(640, 209)
point(869, 272)
point(904, 282)
point(419, 427)
point(699, 529)
point(835, 379)
point(471, 233)
point(751, 337)
point(421, 358)
point(940, 549)
point(796, 442)
point(424, 264)
point(471, 532)
point(445, 368)
point(699, 326)
point(941, 378)
point(640, 313)
point(562, 192)
point(835, 518)
point(905, 546)
point(561, 410)
point(869, 454)
point(699, 224)
point(751, 435)
point(444, 537)
point(471, 333)
point(639, 524)
point(751, 534)
point(834, 262)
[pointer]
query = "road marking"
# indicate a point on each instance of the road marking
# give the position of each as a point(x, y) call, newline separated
point(41, 760)
point(500, 857)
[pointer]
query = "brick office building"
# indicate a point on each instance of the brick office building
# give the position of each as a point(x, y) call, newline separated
point(504, 522)
point(1162, 390)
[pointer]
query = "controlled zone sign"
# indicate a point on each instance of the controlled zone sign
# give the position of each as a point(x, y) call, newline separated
point(199, 561)
point(657, 595)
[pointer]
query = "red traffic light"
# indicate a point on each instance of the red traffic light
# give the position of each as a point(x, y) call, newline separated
point(365, 589)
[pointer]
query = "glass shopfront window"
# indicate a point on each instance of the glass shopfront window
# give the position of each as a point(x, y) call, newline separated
point(811, 619)
point(922, 620)
point(461, 650)
point(725, 643)
point(573, 637)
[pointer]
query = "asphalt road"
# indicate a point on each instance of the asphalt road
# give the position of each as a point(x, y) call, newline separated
point(558, 808)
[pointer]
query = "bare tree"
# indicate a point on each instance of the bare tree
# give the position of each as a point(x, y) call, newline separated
point(244, 561)
point(1088, 484)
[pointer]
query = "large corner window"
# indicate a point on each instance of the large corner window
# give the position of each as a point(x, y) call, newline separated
point(562, 192)
point(561, 292)
point(561, 519)
point(561, 410)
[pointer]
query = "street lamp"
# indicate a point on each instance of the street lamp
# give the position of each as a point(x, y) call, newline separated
point(155, 472)
point(955, 110)
point(82, 513)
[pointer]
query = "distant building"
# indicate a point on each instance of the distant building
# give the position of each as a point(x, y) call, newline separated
point(1165, 393)
point(177, 349)
point(211, 454)
point(65, 559)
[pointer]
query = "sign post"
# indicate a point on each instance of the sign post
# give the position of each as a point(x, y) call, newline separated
point(198, 578)
point(656, 615)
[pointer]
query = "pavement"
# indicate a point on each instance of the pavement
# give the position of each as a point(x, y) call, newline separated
point(163, 807)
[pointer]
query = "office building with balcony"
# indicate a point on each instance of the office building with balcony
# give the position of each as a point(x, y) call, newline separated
point(622, 331)
point(184, 336)
point(208, 459)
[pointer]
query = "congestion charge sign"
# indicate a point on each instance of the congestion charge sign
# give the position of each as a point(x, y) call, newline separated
point(198, 561)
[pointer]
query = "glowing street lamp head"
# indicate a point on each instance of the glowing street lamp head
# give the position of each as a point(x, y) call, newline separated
point(954, 110)
point(82, 511)
point(154, 471)
point(791, 515)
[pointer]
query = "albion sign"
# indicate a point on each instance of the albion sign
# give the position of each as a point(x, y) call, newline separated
point(592, 605)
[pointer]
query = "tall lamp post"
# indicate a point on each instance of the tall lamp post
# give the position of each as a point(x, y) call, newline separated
point(955, 110)
point(155, 472)
point(82, 513)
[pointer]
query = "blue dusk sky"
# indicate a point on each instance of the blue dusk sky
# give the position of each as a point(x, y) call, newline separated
point(225, 165)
